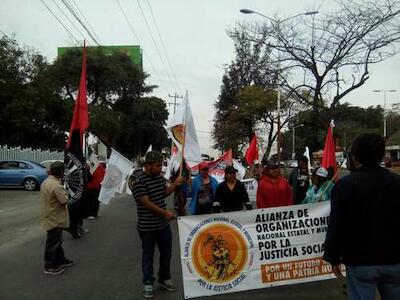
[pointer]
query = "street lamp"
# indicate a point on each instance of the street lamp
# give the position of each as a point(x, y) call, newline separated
point(278, 104)
point(249, 11)
point(384, 108)
point(294, 140)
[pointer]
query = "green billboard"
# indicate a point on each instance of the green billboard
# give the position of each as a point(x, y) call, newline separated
point(134, 52)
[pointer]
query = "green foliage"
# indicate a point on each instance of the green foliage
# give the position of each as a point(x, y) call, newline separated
point(29, 109)
point(37, 99)
point(350, 121)
point(394, 139)
point(249, 75)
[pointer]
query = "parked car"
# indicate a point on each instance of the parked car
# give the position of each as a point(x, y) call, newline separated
point(24, 173)
point(47, 163)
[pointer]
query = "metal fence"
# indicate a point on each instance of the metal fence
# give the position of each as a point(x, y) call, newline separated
point(36, 155)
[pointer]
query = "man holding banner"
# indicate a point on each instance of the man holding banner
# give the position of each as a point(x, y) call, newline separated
point(364, 223)
point(149, 190)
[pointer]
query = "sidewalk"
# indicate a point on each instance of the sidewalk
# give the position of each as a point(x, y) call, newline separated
point(107, 266)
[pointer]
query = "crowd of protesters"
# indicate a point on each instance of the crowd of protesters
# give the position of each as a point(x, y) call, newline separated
point(369, 186)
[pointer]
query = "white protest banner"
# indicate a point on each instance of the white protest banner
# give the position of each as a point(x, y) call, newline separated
point(238, 251)
point(117, 171)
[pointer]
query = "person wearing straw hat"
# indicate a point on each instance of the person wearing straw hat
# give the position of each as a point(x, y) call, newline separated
point(321, 188)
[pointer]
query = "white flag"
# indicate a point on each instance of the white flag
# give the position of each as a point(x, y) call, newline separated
point(241, 169)
point(307, 154)
point(180, 124)
point(174, 164)
point(117, 172)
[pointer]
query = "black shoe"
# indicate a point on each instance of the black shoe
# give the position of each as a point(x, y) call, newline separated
point(66, 263)
point(83, 230)
point(75, 235)
point(53, 271)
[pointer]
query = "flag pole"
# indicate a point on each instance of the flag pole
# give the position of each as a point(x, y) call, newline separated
point(184, 133)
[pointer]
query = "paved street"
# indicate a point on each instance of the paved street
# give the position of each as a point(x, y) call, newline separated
point(107, 259)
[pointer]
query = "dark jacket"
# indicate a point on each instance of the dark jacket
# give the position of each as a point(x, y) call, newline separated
point(365, 219)
point(298, 194)
point(232, 200)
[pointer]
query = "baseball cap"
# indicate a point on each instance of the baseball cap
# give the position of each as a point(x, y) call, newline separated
point(153, 156)
point(56, 167)
point(321, 172)
point(203, 165)
point(230, 170)
point(272, 163)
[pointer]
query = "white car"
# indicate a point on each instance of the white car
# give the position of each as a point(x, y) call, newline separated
point(47, 163)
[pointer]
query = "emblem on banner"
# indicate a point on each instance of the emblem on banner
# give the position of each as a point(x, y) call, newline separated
point(73, 176)
point(219, 253)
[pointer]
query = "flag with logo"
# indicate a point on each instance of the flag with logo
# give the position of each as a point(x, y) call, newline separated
point(182, 131)
point(217, 167)
point(117, 172)
point(74, 159)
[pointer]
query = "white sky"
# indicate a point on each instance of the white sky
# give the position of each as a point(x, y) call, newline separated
point(194, 34)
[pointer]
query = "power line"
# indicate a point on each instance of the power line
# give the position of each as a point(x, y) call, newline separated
point(162, 44)
point(156, 46)
point(72, 11)
point(59, 21)
point(84, 18)
point(137, 37)
point(73, 24)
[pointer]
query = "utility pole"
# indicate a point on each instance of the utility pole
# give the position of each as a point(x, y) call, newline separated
point(175, 103)
point(384, 109)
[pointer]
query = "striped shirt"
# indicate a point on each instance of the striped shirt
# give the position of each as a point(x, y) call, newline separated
point(153, 187)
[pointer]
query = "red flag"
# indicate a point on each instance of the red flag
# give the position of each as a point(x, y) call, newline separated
point(252, 152)
point(74, 160)
point(80, 119)
point(329, 157)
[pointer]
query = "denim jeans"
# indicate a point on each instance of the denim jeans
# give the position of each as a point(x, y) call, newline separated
point(163, 239)
point(362, 282)
point(54, 253)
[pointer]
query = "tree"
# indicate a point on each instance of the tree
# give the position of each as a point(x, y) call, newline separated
point(119, 115)
point(259, 106)
point(334, 59)
point(31, 114)
point(37, 99)
point(251, 67)
point(350, 122)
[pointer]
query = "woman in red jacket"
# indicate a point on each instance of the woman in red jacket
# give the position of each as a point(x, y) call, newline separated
point(273, 189)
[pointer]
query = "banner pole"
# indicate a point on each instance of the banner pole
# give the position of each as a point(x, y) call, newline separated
point(184, 134)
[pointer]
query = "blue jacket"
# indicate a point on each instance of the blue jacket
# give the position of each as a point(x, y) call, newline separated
point(196, 183)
